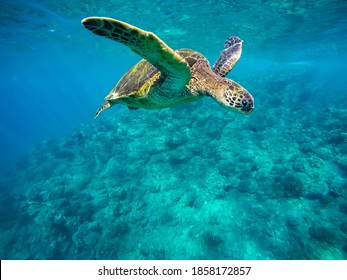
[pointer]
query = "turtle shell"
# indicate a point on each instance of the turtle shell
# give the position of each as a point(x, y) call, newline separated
point(138, 79)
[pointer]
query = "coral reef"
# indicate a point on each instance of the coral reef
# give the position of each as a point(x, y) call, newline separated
point(190, 182)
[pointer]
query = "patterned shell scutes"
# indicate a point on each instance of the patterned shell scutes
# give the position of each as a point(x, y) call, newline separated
point(138, 79)
point(190, 56)
point(142, 74)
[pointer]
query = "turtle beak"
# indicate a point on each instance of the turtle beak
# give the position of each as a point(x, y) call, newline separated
point(247, 103)
point(248, 108)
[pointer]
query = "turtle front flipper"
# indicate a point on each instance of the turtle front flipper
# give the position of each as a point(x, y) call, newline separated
point(229, 56)
point(174, 69)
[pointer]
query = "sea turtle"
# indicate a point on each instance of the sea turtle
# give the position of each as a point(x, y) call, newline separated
point(166, 78)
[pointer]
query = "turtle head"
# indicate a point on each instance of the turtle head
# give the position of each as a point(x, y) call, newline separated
point(236, 97)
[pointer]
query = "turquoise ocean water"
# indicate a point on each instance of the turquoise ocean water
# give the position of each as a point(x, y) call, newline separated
point(190, 182)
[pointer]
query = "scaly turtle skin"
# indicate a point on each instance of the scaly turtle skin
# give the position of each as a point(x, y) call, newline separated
point(166, 78)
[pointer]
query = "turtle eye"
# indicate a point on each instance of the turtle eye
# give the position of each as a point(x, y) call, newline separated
point(244, 102)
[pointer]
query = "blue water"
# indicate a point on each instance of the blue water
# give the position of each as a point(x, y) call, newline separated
point(190, 182)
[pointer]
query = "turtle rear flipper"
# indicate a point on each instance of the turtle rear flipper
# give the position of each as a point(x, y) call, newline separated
point(229, 56)
point(102, 107)
point(174, 69)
